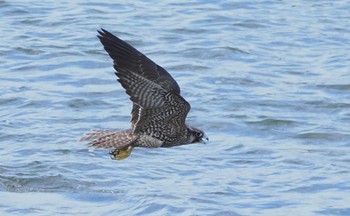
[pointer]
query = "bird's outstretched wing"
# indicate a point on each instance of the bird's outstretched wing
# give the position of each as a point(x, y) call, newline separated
point(154, 93)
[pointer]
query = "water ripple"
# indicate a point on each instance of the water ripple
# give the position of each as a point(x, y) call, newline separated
point(269, 87)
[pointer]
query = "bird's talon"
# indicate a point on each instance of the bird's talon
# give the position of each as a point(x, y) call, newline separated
point(120, 154)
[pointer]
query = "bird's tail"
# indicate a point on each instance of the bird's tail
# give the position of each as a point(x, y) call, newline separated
point(109, 139)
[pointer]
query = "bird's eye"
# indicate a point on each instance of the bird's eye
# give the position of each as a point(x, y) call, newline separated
point(199, 134)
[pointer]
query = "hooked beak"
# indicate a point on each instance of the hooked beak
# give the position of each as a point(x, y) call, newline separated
point(204, 140)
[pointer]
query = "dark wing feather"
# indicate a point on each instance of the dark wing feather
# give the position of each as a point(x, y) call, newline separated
point(172, 115)
point(155, 103)
point(128, 58)
point(154, 93)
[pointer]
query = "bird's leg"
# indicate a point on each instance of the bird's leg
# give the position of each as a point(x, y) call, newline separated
point(120, 154)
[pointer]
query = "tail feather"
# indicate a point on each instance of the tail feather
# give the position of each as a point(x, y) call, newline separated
point(93, 134)
point(109, 139)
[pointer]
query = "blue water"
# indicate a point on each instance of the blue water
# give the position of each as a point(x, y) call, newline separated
point(269, 82)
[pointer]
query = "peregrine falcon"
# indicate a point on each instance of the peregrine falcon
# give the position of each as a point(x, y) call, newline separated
point(158, 110)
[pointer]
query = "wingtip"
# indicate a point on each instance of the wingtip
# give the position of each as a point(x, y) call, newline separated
point(102, 32)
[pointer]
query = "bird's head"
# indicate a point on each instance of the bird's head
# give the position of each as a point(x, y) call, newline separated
point(198, 135)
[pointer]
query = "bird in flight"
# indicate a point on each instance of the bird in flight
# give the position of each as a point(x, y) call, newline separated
point(158, 116)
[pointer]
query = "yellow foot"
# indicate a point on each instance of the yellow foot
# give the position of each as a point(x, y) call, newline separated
point(120, 154)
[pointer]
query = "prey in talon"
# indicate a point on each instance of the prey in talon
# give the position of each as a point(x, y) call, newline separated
point(120, 154)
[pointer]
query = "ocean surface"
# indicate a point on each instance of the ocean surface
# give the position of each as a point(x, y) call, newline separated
point(268, 81)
